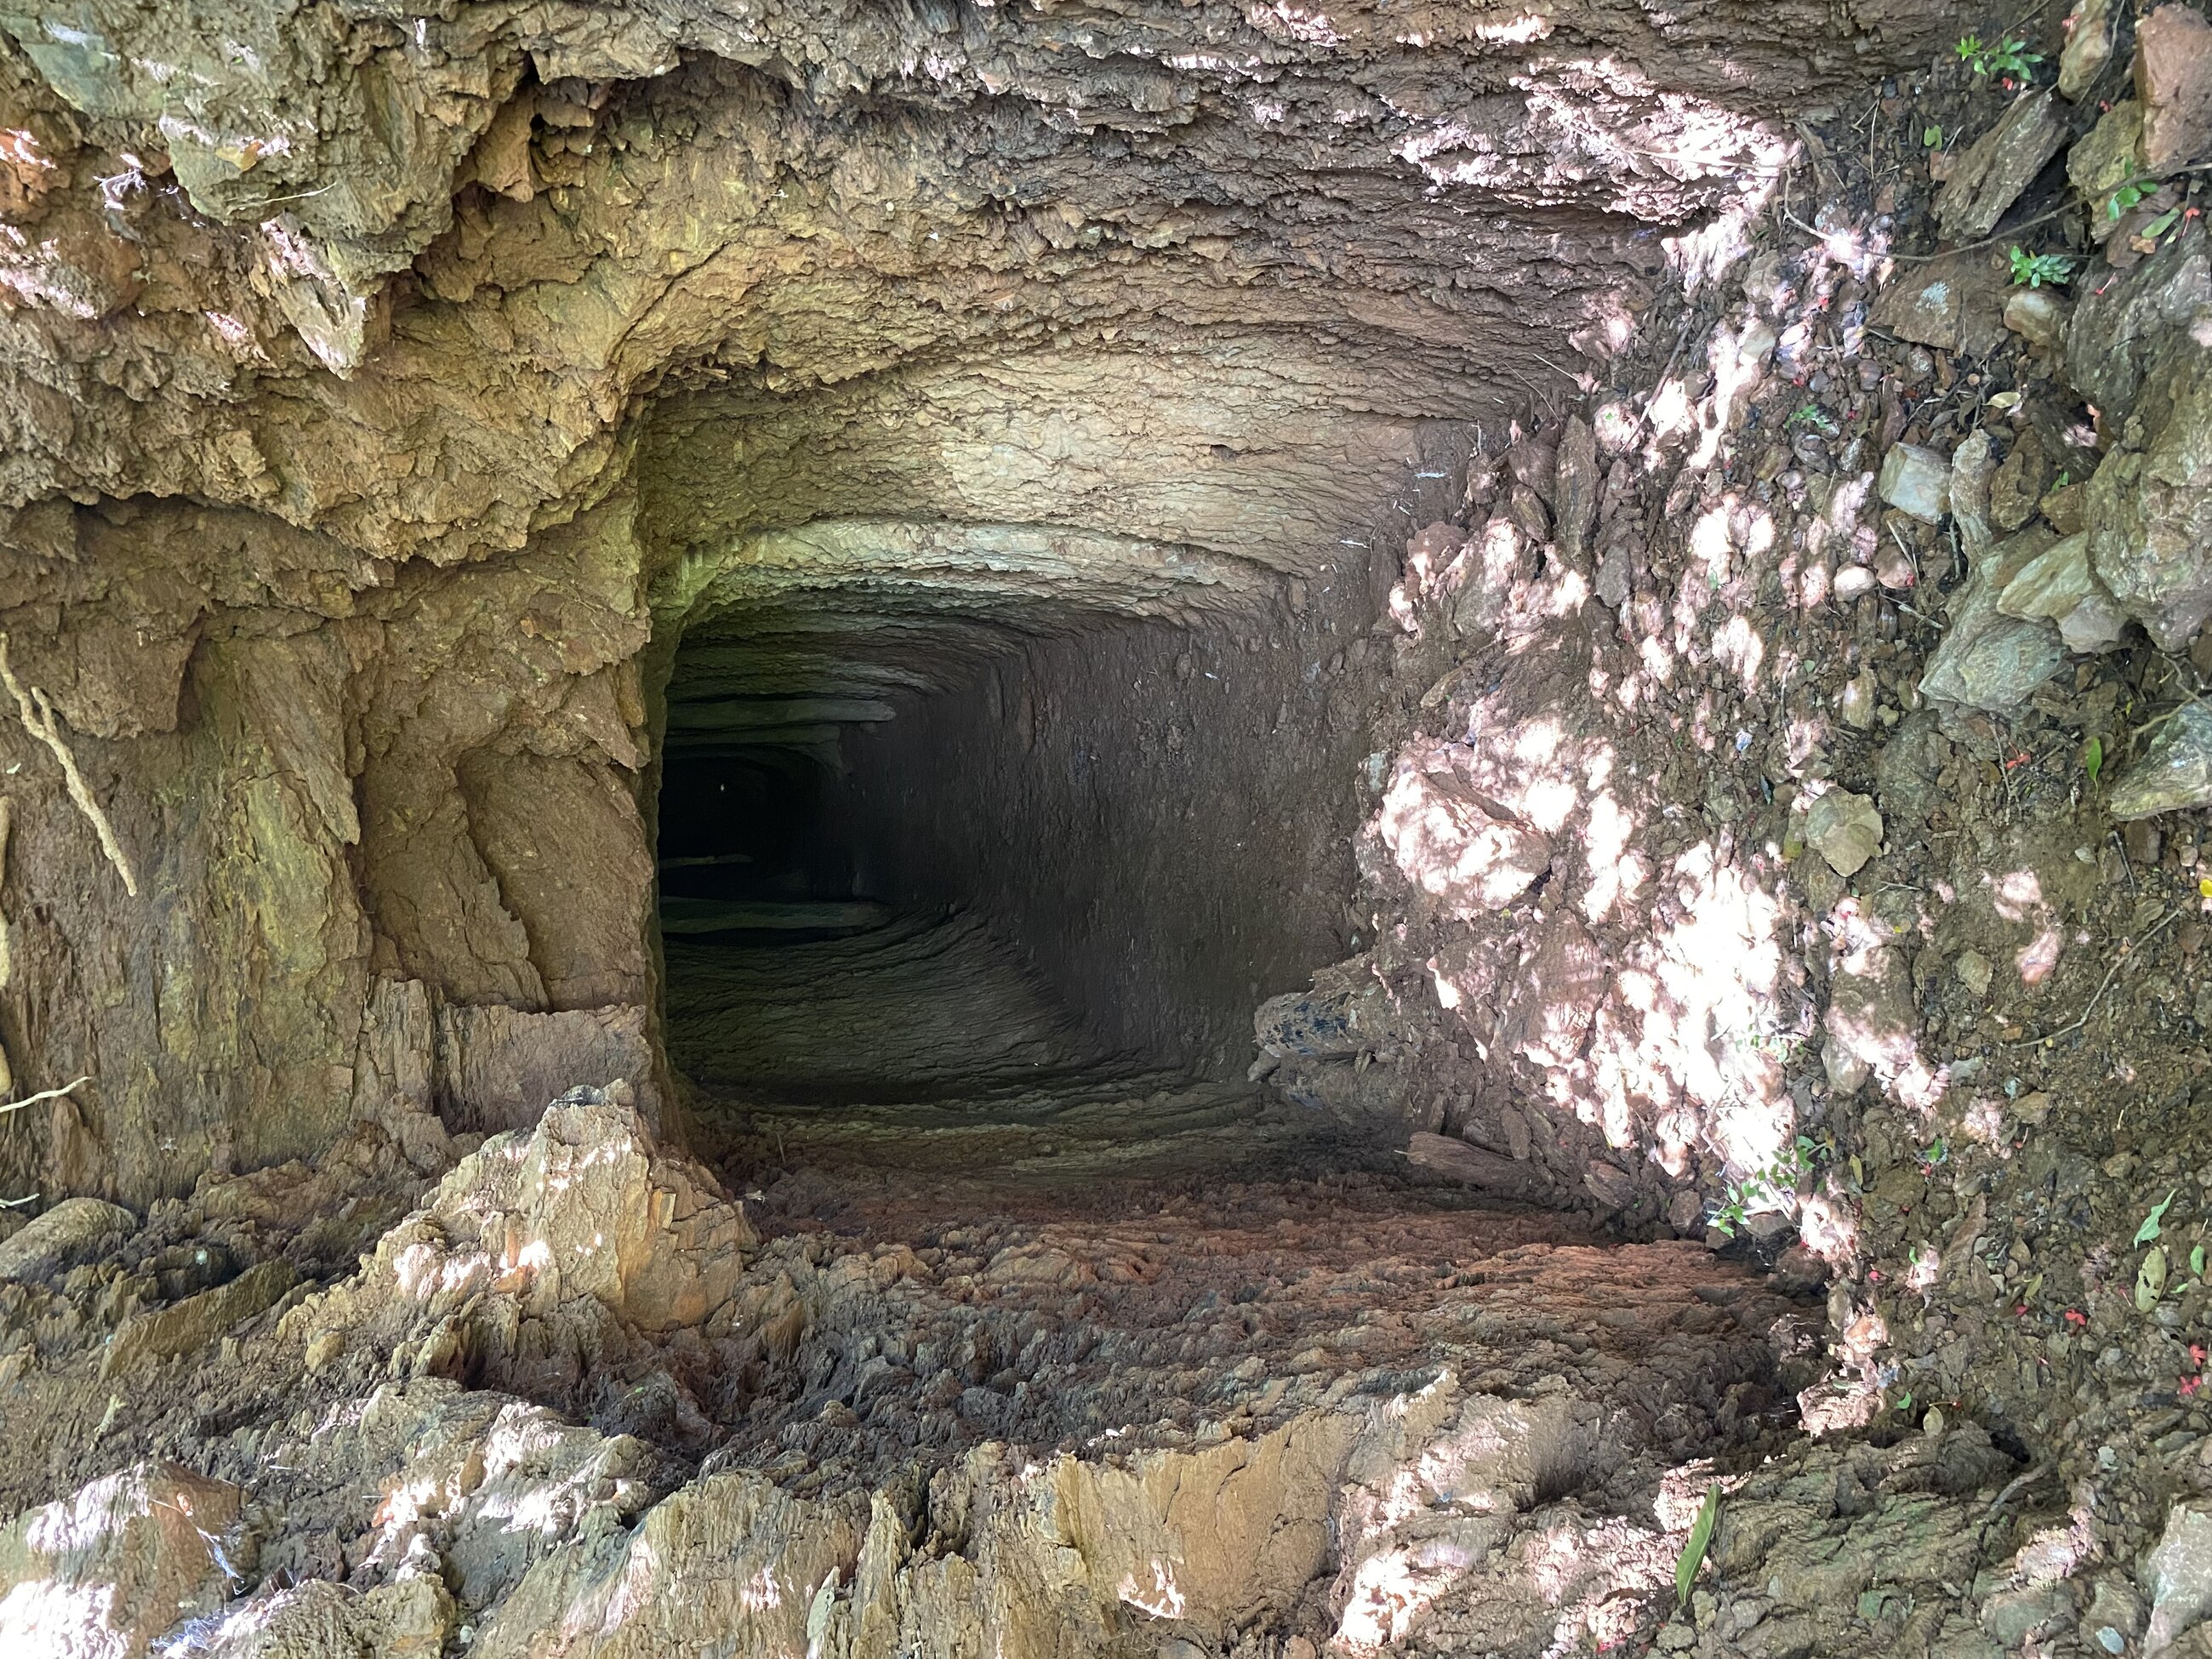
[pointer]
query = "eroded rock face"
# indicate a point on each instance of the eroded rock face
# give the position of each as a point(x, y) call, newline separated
point(103, 1573)
point(1031, 1437)
point(380, 411)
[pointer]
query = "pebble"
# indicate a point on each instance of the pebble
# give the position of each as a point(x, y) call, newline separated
point(1916, 480)
point(1844, 828)
point(323, 1349)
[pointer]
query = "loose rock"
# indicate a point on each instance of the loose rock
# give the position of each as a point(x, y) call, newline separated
point(75, 1230)
point(1991, 176)
point(1843, 829)
point(1916, 480)
point(2175, 773)
point(2173, 78)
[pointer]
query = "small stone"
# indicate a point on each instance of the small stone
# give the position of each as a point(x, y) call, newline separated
point(324, 1349)
point(2017, 485)
point(1932, 1424)
point(2066, 507)
point(2143, 842)
point(1856, 703)
point(1988, 660)
point(1953, 303)
point(2173, 78)
point(1917, 481)
point(2088, 48)
point(1973, 465)
point(2110, 156)
point(1798, 1271)
point(1675, 1636)
point(2175, 773)
point(1852, 581)
point(74, 1231)
point(1974, 972)
point(2038, 316)
point(2059, 585)
point(1843, 829)
point(2179, 1575)
point(1893, 567)
point(1613, 1187)
point(2111, 1640)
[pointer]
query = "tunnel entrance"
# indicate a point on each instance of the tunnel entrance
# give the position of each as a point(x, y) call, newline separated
point(977, 869)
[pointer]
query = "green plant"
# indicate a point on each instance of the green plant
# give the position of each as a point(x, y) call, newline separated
point(2129, 196)
point(2006, 55)
point(1937, 1151)
point(1768, 1186)
point(1932, 135)
point(1814, 416)
point(1700, 1539)
point(2034, 269)
point(2093, 757)
point(2158, 227)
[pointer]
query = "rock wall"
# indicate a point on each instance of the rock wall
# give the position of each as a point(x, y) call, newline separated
point(332, 352)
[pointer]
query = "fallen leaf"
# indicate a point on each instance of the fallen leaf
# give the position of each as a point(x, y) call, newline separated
point(1701, 1537)
point(2148, 1231)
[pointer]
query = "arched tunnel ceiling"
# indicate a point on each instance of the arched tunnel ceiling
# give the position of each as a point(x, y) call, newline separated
point(405, 278)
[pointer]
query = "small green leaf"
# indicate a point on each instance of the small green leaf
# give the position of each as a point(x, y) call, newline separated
point(2093, 757)
point(2148, 1231)
point(1933, 138)
point(1701, 1537)
point(2158, 227)
point(2197, 1262)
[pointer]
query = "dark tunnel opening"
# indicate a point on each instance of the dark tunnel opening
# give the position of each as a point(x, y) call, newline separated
point(959, 865)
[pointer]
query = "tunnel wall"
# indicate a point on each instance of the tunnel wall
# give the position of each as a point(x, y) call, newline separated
point(1158, 815)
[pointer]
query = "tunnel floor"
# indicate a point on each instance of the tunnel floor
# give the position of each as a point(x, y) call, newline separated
point(926, 1044)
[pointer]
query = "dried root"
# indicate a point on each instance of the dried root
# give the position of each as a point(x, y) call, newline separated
point(41, 722)
point(43, 1096)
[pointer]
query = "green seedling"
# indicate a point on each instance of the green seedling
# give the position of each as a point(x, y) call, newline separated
point(2128, 197)
point(1767, 1186)
point(2197, 1262)
point(1937, 1151)
point(2063, 478)
point(1932, 136)
point(2158, 227)
point(1700, 1539)
point(2148, 1231)
point(1904, 1402)
point(2004, 55)
point(1814, 416)
point(2093, 757)
point(2036, 270)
